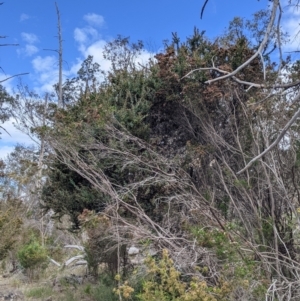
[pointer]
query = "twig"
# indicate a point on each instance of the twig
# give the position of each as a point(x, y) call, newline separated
point(3, 80)
point(203, 8)
point(277, 140)
point(9, 45)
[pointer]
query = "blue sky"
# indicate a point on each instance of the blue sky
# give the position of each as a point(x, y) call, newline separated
point(32, 24)
point(86, 27)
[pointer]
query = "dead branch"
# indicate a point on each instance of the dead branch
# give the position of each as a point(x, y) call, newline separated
point(203, 8)
point(60, 58)
point(261, 47)
point(80, 248)
point(251, 84)
point(9, 45)
point(277, 140)
point(20, 74)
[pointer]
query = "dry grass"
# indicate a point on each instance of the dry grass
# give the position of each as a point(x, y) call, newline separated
point(52, 285)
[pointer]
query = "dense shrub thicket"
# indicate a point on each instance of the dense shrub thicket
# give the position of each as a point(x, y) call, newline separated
point(151, 157)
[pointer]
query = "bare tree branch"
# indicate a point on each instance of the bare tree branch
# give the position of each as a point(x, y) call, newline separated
point(54, 262)
point(60, 59)
point(203, 8)
point(260, 48)
point(50, 49)
point(5, 130)
point(263, 86)
point(277, 140)
point(1, 81)
point(9, 45)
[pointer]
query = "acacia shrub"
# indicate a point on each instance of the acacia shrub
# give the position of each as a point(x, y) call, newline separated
point(32, 257)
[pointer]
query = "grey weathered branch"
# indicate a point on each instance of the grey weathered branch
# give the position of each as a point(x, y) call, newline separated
point(54, 262)
point(60, 59)
point(80, 248)
point(251, 84)
point(3, 80)
point(259, 50)
point(277, 140)
point(69, 261)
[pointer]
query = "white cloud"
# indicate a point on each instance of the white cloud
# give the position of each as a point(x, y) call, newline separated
point(89, 33)
point(96, 50)
point(90, 43)
point(85, 34)
point(28, 50)
point(44, 64)
point(94, 19)
point(13, 136)
point(144, 57)
point(24, 17)
point(31, 50)
point(29, 38)
point(45, 73)
point(80, 35)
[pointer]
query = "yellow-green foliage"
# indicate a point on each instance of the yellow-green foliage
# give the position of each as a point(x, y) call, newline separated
point(32, 255)
point(123, 290)
point(165, 284)
point(216, 239)
point(10, 226)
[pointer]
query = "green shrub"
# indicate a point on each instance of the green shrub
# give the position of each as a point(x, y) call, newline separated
point(164, 284)
point(10, 227)
point(32, 255)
